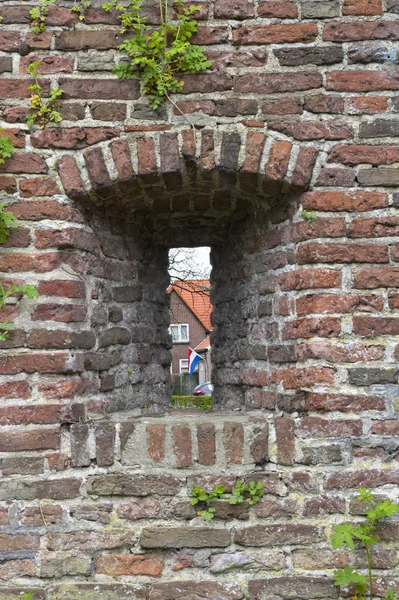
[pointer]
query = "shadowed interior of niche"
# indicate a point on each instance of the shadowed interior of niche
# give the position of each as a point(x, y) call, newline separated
point(230, 212)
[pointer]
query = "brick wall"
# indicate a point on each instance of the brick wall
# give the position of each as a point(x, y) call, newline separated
point(297, 113)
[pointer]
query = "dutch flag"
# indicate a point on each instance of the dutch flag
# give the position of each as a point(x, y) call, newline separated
point(193, 360)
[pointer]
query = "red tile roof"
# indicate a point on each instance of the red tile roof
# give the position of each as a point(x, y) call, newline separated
point(196, 294)
point(204, 345)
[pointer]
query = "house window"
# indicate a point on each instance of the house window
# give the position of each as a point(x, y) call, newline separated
point(183, 365)
point(179, 333)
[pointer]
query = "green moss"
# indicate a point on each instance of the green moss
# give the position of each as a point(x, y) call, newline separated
point(198, 402)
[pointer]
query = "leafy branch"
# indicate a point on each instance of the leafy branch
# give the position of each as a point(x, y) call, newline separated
point(8, 222)
point(240, 493)
point(39, 15)
point(364, 533)
point(79, 7)
point(42, 111)
point(157, 56)
point(6, 150)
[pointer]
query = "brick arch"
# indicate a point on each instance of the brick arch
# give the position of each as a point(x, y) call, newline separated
point(281, 164)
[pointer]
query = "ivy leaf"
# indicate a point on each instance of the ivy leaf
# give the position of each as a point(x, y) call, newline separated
point(344, 577)
point(343, 534)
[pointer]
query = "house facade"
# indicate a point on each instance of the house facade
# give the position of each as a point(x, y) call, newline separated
point(190, 325)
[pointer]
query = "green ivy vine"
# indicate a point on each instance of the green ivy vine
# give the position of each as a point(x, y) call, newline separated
point(41, 111)
point(157, 56)
point(38, 16)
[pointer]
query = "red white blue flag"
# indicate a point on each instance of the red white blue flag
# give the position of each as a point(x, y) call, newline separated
point(193, 360)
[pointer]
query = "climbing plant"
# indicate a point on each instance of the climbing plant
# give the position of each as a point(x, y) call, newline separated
point(38, 15)
point(6, 147)
point(42, 111)
point(8, 222)
point(79, 7)
point(158, 55)
point(363, 535)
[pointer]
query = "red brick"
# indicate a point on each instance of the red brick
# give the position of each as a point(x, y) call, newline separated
point(182, 445)
point(234, 443)
point(297, 378)
point(373, 155)
point(285, 439)
point(22, 162)
point(362, 7)
point(303, 279)
point(234, 9)
point(374, 277)
point(121, 155)
point(390, 427)
point(279, 158)
point(34, 439)
point(48, 64)
point(278, 9)
point(39, 363)
point(367, 105)
point(16, 136)
point(321, 227)
point(333, 177)
point(375, 227)
point(370, 478)
point(66, 389)
point(156, 442)
point(361, 81)
point(39, 263)
point(328, 252)
point(336, 303)
point(344, 201)
point(79, 39)
point(339, 353)
point(39, 186)
point(282, 106)
point(375, 326)
point(42, 41)
point(206, 444)
point(106, 89)
point(147, 162)
point(310, 327)
point(314, 130)
point(344, 402)
point(9, 41)
point(15, 390)
point(118, 565)
point(361, 30)
point(316, 427)
point(207, 150)
point(8, 184)
point(70, 237)
point(97, 168)
point(18, 542)
point(68, 288)
point(72, 138)
point(253, 151)
point(207, 35)
point(237, 57)
point(18, 88)
point(61, 313)
point(393, 300)
point(303, 169)
point(70, 176)
point(275, 34)
point(270, 83)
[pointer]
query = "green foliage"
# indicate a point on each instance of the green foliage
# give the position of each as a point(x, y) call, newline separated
point(309, 216)
point(27, 596)
point(198, 402)
point(240, 493)
point(79, 7)
point(39, 15)
point(42, 112)
point(363, 534)
point(157, 56)
point(199, 495)
point(7, 222)
point(6, 148)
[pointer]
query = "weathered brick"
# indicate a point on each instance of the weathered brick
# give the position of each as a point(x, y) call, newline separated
point(137, 485)
point(118, 565)
point(184, 537)
point(56, 489)
point(208, 590)
point(270, 83)
point(278, 535)
point(293, 587)
point(285, 439)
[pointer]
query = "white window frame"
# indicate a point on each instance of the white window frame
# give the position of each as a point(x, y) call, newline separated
point(179, 339)
point(181, 361)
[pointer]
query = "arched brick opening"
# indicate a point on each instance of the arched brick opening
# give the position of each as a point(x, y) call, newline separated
point(218, 188)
